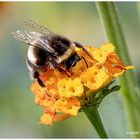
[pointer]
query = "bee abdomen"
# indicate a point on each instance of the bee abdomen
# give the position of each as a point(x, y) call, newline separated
point(37, 56)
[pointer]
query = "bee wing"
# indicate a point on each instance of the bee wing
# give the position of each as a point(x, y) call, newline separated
point(33, 38)
point(38, 28)
point(22, 36)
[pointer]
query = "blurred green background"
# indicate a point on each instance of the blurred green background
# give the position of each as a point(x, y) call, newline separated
point(79, 21)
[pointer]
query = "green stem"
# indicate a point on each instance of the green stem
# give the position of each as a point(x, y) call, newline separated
point(94, 117)
point(129, 88)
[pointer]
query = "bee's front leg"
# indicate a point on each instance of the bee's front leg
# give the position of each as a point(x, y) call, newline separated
point(85, 61)
point(55, 65)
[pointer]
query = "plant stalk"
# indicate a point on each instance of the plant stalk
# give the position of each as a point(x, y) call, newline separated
point(94, 117)
point(129, 87)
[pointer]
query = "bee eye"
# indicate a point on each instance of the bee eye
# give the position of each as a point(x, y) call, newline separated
point(77, 57)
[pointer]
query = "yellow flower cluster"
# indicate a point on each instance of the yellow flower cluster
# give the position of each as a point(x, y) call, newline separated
point(65, 94)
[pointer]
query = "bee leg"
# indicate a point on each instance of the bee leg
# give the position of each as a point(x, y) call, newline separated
point(63, 71)
point(70, 69)
point(85, 61)
point(78, 45)
point(56, 66)
point(40, 82)
point(36, 75)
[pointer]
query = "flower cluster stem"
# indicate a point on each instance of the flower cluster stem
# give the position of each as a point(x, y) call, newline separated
point(94, 117)
point(129, 87)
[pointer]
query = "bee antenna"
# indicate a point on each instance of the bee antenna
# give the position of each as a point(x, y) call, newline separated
point(78, 45)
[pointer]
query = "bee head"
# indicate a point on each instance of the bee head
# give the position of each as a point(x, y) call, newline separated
point(71, 61)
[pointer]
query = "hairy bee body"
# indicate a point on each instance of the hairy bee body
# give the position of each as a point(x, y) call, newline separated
point(47, 49)
point(38, 58)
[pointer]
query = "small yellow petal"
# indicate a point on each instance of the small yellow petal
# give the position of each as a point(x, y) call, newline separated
point(69, 106)
point(61, 117)
point(95, 78)
point(46, 119)
point(108, 48)
point(70, 87)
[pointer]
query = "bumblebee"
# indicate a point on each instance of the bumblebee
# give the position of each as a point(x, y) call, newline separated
point(47, 49)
